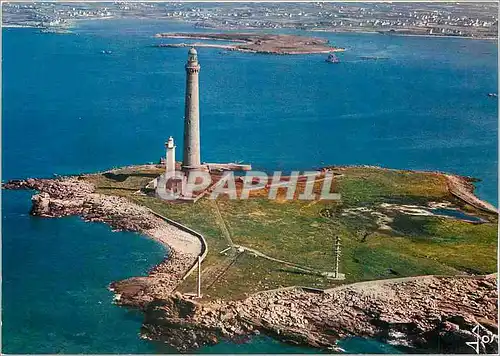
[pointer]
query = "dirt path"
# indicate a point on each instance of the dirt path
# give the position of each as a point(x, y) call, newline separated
point(222, 224)
point(290, 264)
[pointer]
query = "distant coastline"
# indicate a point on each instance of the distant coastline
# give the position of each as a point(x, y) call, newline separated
point(73, 23)
point(403, 34)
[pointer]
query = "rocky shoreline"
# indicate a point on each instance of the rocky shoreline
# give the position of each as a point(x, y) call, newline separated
point(431, 314)
point(65, 196)
point(426, 313)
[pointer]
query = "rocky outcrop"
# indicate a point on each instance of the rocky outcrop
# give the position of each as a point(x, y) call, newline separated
point(433, 313)
point(171, 320)
point(62, 187)
point(160, 282)
point(74, 196)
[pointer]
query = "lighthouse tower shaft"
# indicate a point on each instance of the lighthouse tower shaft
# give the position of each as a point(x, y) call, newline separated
point(191, 152)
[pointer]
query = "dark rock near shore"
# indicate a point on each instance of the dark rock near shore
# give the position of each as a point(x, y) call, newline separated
point(169, 320)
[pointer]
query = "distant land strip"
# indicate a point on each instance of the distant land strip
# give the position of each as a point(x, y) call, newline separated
point(254, 43)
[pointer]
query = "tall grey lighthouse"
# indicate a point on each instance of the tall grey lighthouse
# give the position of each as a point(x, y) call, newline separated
point(172, 183)
point(191, 159)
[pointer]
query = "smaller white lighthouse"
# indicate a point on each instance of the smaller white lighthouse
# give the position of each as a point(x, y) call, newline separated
point(170, 159)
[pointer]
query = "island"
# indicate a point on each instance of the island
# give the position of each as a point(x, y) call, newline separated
point(418, 253)
point(254, 42)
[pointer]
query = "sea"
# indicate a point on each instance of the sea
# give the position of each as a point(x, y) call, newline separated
point(69, 108)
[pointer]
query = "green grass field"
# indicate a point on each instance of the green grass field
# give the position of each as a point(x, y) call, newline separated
point(301, 233)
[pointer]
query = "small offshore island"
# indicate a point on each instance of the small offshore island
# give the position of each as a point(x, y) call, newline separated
point(255, 43)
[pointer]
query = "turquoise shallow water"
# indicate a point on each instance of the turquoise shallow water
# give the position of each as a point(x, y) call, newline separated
point(67, 109)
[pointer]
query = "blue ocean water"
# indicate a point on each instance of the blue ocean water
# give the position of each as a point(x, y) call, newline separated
point(55, 273)
point(67, 108)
